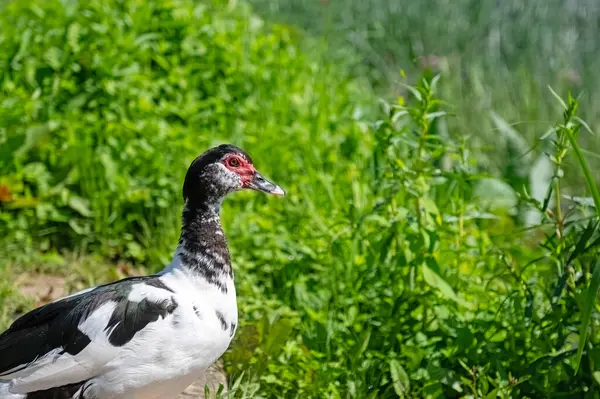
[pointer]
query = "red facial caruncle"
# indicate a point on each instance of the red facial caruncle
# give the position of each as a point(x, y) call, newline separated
point(239, 165)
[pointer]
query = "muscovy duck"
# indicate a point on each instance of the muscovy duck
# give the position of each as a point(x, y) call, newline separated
point(141, 337)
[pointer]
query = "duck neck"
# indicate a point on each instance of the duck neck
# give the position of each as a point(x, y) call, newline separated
point(202, 248)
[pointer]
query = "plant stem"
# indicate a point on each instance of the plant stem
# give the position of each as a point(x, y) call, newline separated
point(558, 213)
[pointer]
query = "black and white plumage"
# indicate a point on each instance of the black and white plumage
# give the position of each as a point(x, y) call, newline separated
point(141, 337)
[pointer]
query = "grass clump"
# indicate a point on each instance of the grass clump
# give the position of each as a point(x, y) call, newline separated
point(105, 104)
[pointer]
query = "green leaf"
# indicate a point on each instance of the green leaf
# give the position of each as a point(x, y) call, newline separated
point(414, 92)
point(279, 332)
point(81, 205)
point(596, 375)
point(493, 393)
point(434, 115)
point(400, 379)
point(436, 281)
point(560, 100)
point(590, 301)
point(584, 237)
point(238, 381)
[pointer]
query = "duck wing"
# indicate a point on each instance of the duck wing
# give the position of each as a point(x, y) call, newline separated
point(69, 341)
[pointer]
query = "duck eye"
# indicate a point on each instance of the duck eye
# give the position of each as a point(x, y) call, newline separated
point(234, 162)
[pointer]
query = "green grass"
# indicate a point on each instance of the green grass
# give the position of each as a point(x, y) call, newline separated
point(398, 265)
point(495, 58)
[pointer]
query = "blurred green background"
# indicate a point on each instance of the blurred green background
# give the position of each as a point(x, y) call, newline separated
point(440, 235)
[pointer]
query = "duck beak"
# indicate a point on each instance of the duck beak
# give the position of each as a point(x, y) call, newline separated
point(259, 183)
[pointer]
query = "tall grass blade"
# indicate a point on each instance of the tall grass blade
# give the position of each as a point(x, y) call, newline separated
point(590, 300)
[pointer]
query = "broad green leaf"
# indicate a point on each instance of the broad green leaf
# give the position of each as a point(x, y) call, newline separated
point(399, 378)
point(436, 281)
point(81, 205)
point(493, 393)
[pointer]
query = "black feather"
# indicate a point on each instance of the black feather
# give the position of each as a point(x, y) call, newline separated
point(62, 392)
point(130, 317)
point(221, 318)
